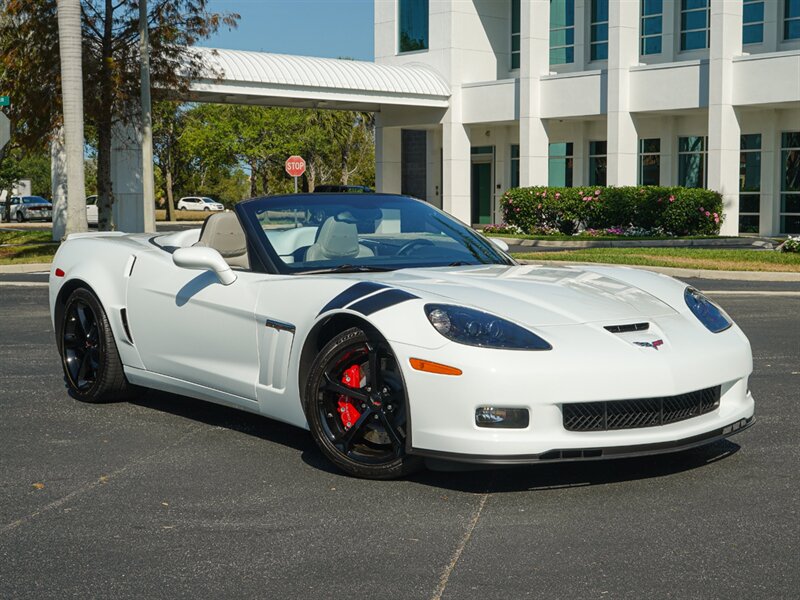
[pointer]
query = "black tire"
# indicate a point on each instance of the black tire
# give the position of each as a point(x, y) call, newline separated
point(20, 217)
point(92, 367)
point(206, 209)
point(181, 208)
point(373, 447)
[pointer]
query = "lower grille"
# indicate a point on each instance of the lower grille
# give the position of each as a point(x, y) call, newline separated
point(633, 414)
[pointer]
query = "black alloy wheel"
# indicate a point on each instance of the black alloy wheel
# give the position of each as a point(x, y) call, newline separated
point(360, 425)
point(92, 367)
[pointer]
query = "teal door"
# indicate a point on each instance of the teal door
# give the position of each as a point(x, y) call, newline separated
point(481, 192)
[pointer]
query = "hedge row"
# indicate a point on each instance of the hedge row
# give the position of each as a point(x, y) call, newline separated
point(671, 210)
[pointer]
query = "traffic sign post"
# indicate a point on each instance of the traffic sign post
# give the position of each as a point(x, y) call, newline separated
point(295, 166)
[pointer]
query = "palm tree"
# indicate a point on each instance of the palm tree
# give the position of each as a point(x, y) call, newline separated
point(69, 33)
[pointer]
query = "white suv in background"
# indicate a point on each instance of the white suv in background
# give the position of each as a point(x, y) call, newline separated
point(199, 203)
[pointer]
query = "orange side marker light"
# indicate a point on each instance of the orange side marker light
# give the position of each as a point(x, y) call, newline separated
point(432, 367)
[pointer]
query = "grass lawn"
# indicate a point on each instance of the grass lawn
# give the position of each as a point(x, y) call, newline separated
point(31, 253)
point(26, 236)
point(687, 258)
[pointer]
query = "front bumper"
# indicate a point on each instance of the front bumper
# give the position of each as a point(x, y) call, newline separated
point(583, 454)
point(442, 408)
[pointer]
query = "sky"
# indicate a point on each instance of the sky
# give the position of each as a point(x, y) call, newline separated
point(329, 28)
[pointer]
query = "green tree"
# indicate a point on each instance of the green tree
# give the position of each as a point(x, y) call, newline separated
point(29, 51)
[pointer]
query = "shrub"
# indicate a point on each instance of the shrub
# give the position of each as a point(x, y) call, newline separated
point(792, 244)
point(671, 210)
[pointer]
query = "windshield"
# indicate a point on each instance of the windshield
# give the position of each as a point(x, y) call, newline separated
point(363, 232)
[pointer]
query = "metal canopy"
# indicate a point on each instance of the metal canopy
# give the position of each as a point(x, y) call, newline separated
point(242, 77)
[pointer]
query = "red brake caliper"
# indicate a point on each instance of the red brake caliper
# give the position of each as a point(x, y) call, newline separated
point(348, 412)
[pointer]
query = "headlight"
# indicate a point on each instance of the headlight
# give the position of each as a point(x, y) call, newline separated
point(706, 311)
point(476, 328)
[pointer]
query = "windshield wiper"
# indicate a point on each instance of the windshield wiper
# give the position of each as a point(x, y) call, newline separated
point(347, 268)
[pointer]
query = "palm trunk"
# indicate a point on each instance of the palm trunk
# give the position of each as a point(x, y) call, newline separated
point(69, 29)
point(105, 194)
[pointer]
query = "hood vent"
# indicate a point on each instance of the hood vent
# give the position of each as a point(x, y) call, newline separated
point(628, 328)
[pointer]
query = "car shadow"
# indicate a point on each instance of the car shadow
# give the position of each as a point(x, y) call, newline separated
point(449, 475)
point(555, 475)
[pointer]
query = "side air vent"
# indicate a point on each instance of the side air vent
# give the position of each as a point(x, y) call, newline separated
point(628, 328)
point(124, 316)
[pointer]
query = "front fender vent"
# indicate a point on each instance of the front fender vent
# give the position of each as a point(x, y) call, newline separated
point(123, 314)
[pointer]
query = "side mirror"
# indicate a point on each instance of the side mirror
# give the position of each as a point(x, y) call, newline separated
point(206, 259)
point(500, 244)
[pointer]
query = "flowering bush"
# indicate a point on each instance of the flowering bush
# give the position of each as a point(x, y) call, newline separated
point(502, 228)
point(792, 244)
point(614, 210)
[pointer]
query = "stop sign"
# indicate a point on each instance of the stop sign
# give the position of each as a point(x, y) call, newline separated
point(295, 166)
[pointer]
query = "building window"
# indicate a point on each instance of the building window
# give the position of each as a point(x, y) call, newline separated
point(692, 162)
point(791, 20)
point(652, 15)
point(750, 183)
point(515, 34)
point(515, 165)
point(695, 17)
point(560, 164)
point(599, 50)
point(598, 162)
point(413, 21)
point(753, 22)
point(562, 32)
point(650, 161)
point(790, 182)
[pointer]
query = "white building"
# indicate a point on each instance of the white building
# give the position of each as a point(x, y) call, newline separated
point(582, 92)
point(475, 96)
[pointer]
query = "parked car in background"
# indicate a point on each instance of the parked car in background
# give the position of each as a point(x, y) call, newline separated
point(28, 208)
point(343, 189)
point(91, 210)
point(199, 203)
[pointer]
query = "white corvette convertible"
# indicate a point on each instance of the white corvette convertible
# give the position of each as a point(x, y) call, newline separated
point(395, 333)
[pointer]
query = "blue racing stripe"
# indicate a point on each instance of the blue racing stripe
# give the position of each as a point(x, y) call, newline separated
point(384, 299)
point(352, 294)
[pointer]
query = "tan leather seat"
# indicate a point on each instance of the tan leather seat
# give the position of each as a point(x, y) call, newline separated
point(337, 239)
point(223, 232)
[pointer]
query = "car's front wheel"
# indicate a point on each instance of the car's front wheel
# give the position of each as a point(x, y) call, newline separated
point(357, 408)
point(92, 367)
point(20, 216)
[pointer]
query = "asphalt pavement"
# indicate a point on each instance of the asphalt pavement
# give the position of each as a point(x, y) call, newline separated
point(170, 497)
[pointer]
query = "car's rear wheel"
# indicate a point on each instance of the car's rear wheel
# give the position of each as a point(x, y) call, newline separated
point(92, 367)
point(357, 408)
point(181, 208)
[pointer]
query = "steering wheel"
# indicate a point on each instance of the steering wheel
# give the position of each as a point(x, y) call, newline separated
point(405, 249)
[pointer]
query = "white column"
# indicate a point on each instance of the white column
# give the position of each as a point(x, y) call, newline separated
point(623, 53)
point(128, 211)
point(456, 176)
point(769, 221)
point(502, 170)
point(535, 64)
point(723, 126)
point(668, 172)
point(388, 173)
point(58, 184)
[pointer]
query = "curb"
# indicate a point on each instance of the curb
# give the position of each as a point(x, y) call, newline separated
point(754, 243)
point(679, 272)
point(26, 268)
